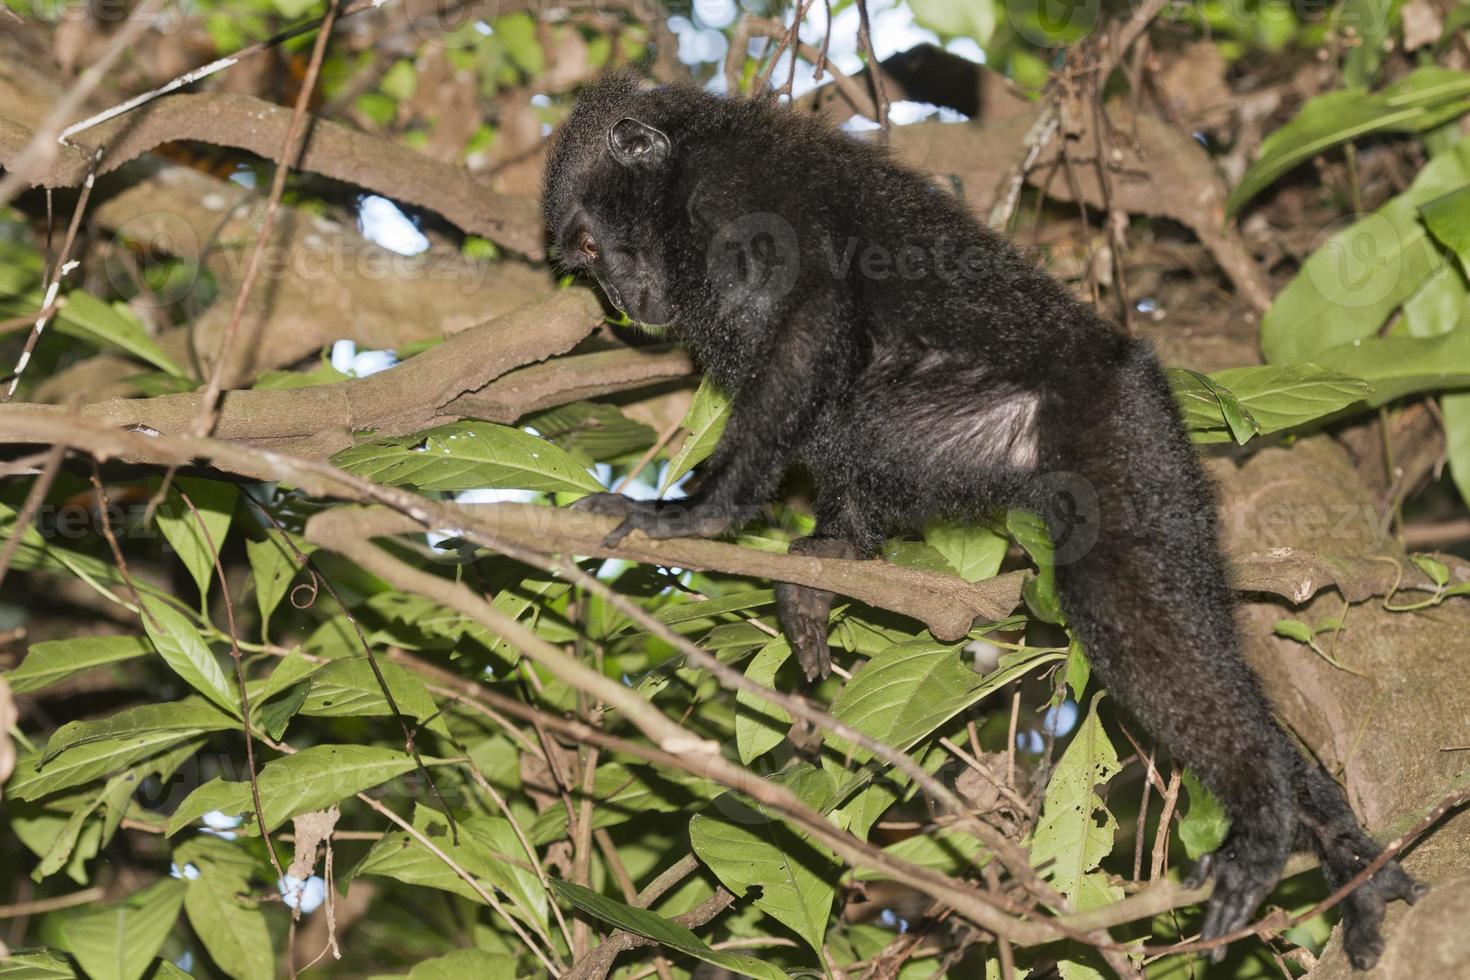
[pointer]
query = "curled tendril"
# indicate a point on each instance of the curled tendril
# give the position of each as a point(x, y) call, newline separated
point(312, 588)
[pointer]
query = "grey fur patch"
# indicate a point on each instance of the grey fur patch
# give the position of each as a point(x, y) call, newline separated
point(1001, 430)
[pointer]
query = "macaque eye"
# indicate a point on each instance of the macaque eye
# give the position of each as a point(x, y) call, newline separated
point(586, 245)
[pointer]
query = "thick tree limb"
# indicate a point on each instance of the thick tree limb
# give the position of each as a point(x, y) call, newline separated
point(321, 419)
point(326, 281)
point(317, 421)
point(332, 150)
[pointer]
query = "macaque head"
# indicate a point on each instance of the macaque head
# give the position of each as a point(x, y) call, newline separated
point(605, 194)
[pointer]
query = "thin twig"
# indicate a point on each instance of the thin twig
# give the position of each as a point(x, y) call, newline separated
point(250, 770)
point(44, 144)
point(515, 826)
point(42, 905)
point(1161, 838)
point(34, 498)
point(875, 68)
point(1141, 830)
point(49, 303)
point(290, 151)
point(204, 71)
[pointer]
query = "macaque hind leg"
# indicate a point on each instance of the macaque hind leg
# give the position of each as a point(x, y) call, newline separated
point(1326, 824)
point(803, 610)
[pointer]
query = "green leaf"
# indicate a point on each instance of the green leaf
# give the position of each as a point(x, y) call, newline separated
point(1293, 629)
point(294, 9)
point(35, 964)
point(400, 81)
point(273, 716)
point(705, 423)
point(1076, 830)
point(118, 941)
point(1456, 410)
point(908, 691)
point(1208, 403)
point(1437, 571)
point(178, 642)
point(462, 963)
point(1079, 669)
point(1440, 305)
point(467, 456)
point(1370, 23)
point(1203, 826)
point(1040, 591)
point(1280, 397)
point(972, 550)
point(487, 849)
point(746, 848)
point(312, 779)
point(626, 793)
point(1448, 219)
point(957, 18)
point(1421, 100)
point(215, 501)
point(292, 669)
point(686, 612)
point(231, 926)
point(85, 763)
point(949, 851)
point(653, 926)
point(1349, 285)
point(348, 688)
point(112, 326)
point(273, 567)
point(1397, 366)
point(81, 837)
point(522, 44)
point(760, 725)
point(56, 660)
point(592, 430)
point(184, 718)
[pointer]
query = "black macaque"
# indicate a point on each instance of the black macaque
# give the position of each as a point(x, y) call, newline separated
point(867, 328)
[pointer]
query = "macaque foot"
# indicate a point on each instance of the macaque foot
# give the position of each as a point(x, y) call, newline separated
point(657, 519)
point(1239, 889)
point(804, 611)
point(1364, 908)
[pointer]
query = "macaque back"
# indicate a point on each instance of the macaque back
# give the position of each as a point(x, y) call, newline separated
point(869, 330)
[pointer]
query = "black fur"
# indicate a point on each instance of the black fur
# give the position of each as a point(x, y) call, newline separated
point(870, 330)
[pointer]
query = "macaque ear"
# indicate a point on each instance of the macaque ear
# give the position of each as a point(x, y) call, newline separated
point(637, 144)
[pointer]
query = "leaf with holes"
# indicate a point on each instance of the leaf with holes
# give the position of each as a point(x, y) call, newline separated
point(1076, 829)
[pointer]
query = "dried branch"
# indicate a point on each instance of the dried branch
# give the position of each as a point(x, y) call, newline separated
point(334, 151)
point(415, 395)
